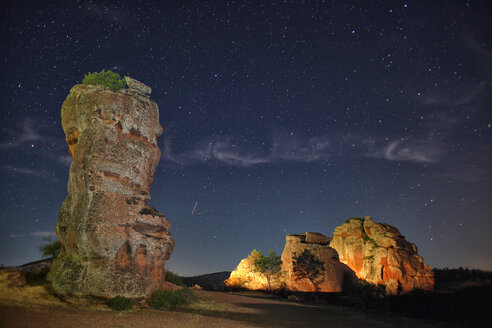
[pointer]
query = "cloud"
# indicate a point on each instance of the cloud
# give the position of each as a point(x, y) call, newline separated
point(25, 171)
point(65, 159)
point(288, 148)
point(222, 150)
point(26, 134)
point(408, 149)
point(43, 234)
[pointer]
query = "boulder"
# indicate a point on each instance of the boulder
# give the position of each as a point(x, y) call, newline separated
point(308, 265)
point(112, 242)
point(378, 253)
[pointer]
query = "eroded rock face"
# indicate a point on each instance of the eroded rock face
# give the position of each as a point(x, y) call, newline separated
point(308, 265)
point(379, 254)
point(112, 242)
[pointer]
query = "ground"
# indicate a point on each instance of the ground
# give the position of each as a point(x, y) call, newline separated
point(34, 307)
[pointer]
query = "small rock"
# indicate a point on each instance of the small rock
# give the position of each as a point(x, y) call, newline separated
point(137, 85)
point(317, 238)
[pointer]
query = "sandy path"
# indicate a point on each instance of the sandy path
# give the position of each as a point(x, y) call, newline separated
point(213, 309)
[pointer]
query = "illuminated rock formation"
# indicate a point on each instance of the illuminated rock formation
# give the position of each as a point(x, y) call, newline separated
point(379, 254)
point(245, 276)
point(112, 242)
point(308, 265)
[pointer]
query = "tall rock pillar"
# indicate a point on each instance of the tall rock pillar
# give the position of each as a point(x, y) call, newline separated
point(112, 243)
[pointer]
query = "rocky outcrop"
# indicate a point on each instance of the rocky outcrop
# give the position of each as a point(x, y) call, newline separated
point(112, 243)
point(246, 276)
point(379, 254)
point(308, 265)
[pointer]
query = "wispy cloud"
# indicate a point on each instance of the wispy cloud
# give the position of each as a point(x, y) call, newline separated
point(25, 171)
point(221, 150)
point(408, 149)
point(25, 134)
point(28, 171)
point(65, 159)
point(287, 148)
point(43, 234)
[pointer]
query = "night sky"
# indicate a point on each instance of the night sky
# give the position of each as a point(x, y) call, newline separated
point(279, 117)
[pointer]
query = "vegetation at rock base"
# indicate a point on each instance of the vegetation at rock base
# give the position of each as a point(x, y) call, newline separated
point(37, 278)
point(308, 266)
point(369, 290)
point(169, 299)
point(267, 265)
point(174, 278)
point(50, 249)
point(107, 78)
point(119, 303)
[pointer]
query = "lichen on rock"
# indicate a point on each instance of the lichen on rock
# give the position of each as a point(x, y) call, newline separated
point(112, 243)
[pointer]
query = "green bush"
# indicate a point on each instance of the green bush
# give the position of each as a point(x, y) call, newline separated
point(267, 265)
point(174, 278)
point(107, 78)
point(119, 303)
point(50, 249)
point(169, 299)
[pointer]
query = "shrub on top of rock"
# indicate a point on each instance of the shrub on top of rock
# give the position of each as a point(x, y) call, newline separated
point(107, 78)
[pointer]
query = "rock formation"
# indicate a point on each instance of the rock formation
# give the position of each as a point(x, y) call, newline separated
point(112, 243)
point(308, 265)
point(378, 253)
point(246, 276)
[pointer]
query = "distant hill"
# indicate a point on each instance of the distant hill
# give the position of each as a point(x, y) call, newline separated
point(211, 281)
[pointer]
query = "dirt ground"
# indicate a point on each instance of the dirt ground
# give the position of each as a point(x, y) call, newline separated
point(34, 307)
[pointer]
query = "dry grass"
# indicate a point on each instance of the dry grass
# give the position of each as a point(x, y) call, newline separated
point(24, 296)
point(33, 306)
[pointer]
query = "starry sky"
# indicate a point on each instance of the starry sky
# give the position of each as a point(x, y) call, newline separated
point(279, 117)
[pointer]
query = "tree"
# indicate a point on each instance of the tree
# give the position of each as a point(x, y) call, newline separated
point(308, 266)
point(267, 265)
point(107, 78)
point(50, 249)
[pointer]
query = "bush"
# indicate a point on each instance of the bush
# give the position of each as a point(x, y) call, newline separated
point(174, 278)
point(50, 249)
point(119, 303)
point(369, 290)
point(37, 278)
point(107, 78)
point(169, 299)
